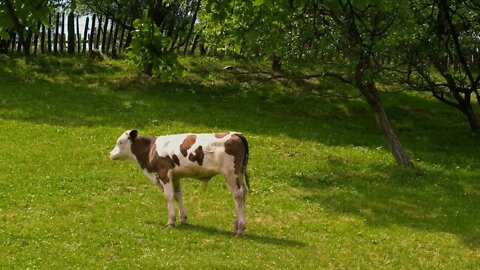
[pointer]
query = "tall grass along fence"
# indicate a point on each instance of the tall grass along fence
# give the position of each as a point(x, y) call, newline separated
point(72, 34)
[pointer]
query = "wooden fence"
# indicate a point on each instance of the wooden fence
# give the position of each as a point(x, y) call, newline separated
point(99, 34)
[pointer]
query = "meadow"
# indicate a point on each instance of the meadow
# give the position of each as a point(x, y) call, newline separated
point(325, 190)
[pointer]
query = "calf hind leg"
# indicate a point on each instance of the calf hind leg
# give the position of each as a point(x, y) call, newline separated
point(236, 187)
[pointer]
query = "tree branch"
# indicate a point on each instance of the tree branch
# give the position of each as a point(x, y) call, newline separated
point(456, 42)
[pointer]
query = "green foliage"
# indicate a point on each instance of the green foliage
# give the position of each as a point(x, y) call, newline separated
point(271, 28)
point(150, 47)
point(20, 15)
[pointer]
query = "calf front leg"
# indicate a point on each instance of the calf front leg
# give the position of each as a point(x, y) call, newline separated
point(177, 187)
point(168, 193)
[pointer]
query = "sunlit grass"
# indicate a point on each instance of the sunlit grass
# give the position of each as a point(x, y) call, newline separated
point(325, 190)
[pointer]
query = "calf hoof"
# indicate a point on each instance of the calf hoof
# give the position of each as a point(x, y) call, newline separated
point(184, 221)
point(170, 226)
point(238, 229)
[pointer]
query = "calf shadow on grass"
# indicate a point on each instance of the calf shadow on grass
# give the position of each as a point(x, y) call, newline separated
point(247, 236)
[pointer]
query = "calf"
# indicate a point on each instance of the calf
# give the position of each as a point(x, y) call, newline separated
point(167, 159)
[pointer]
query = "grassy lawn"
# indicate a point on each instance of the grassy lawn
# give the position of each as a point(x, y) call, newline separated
point(325, 190)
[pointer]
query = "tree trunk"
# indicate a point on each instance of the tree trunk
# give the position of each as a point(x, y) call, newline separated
point(367, 88)
point(401, 157)
point(472, 116)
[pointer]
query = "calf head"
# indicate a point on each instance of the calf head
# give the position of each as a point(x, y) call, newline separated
point(123, 147)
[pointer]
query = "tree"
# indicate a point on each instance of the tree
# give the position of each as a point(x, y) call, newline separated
point(159, 33)
point(351, 40)
point(444, 58)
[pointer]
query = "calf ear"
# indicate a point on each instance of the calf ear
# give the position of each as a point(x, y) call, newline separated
point(133, 135)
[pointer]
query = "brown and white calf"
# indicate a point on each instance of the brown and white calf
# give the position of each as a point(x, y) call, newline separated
point(167, 159)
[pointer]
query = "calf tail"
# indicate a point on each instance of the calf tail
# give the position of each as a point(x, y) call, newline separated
point(245, 160)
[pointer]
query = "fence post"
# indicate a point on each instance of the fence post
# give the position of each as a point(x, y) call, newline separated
point(79, 37)
point(42, 40)
point(28, 42)
point(194, 44)
point(110, 36)
point(85, 32)
point(57, 34)
point(97, 42)
point(35, 38)
point(49, 34)
point(71, 33)
point(104, 39)
point(62, 36)
point(92, 34)
point(120, 42)
point(14, 39)
point(20, 40)
point(114, 44)
point(128, 40)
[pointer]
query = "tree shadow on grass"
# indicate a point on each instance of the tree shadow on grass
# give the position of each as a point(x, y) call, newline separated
point(247, 236)
point(330, 122)
point(429, 201)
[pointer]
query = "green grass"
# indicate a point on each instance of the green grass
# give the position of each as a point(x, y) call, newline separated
point(325, 190)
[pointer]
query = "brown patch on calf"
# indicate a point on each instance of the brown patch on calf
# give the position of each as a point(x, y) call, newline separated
point(221, 135)
point(198, 157)
point(234, 147)
point(176, 160)
point(145, 151)
point(187, 144)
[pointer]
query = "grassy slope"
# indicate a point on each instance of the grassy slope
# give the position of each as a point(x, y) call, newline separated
point(325, 190)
